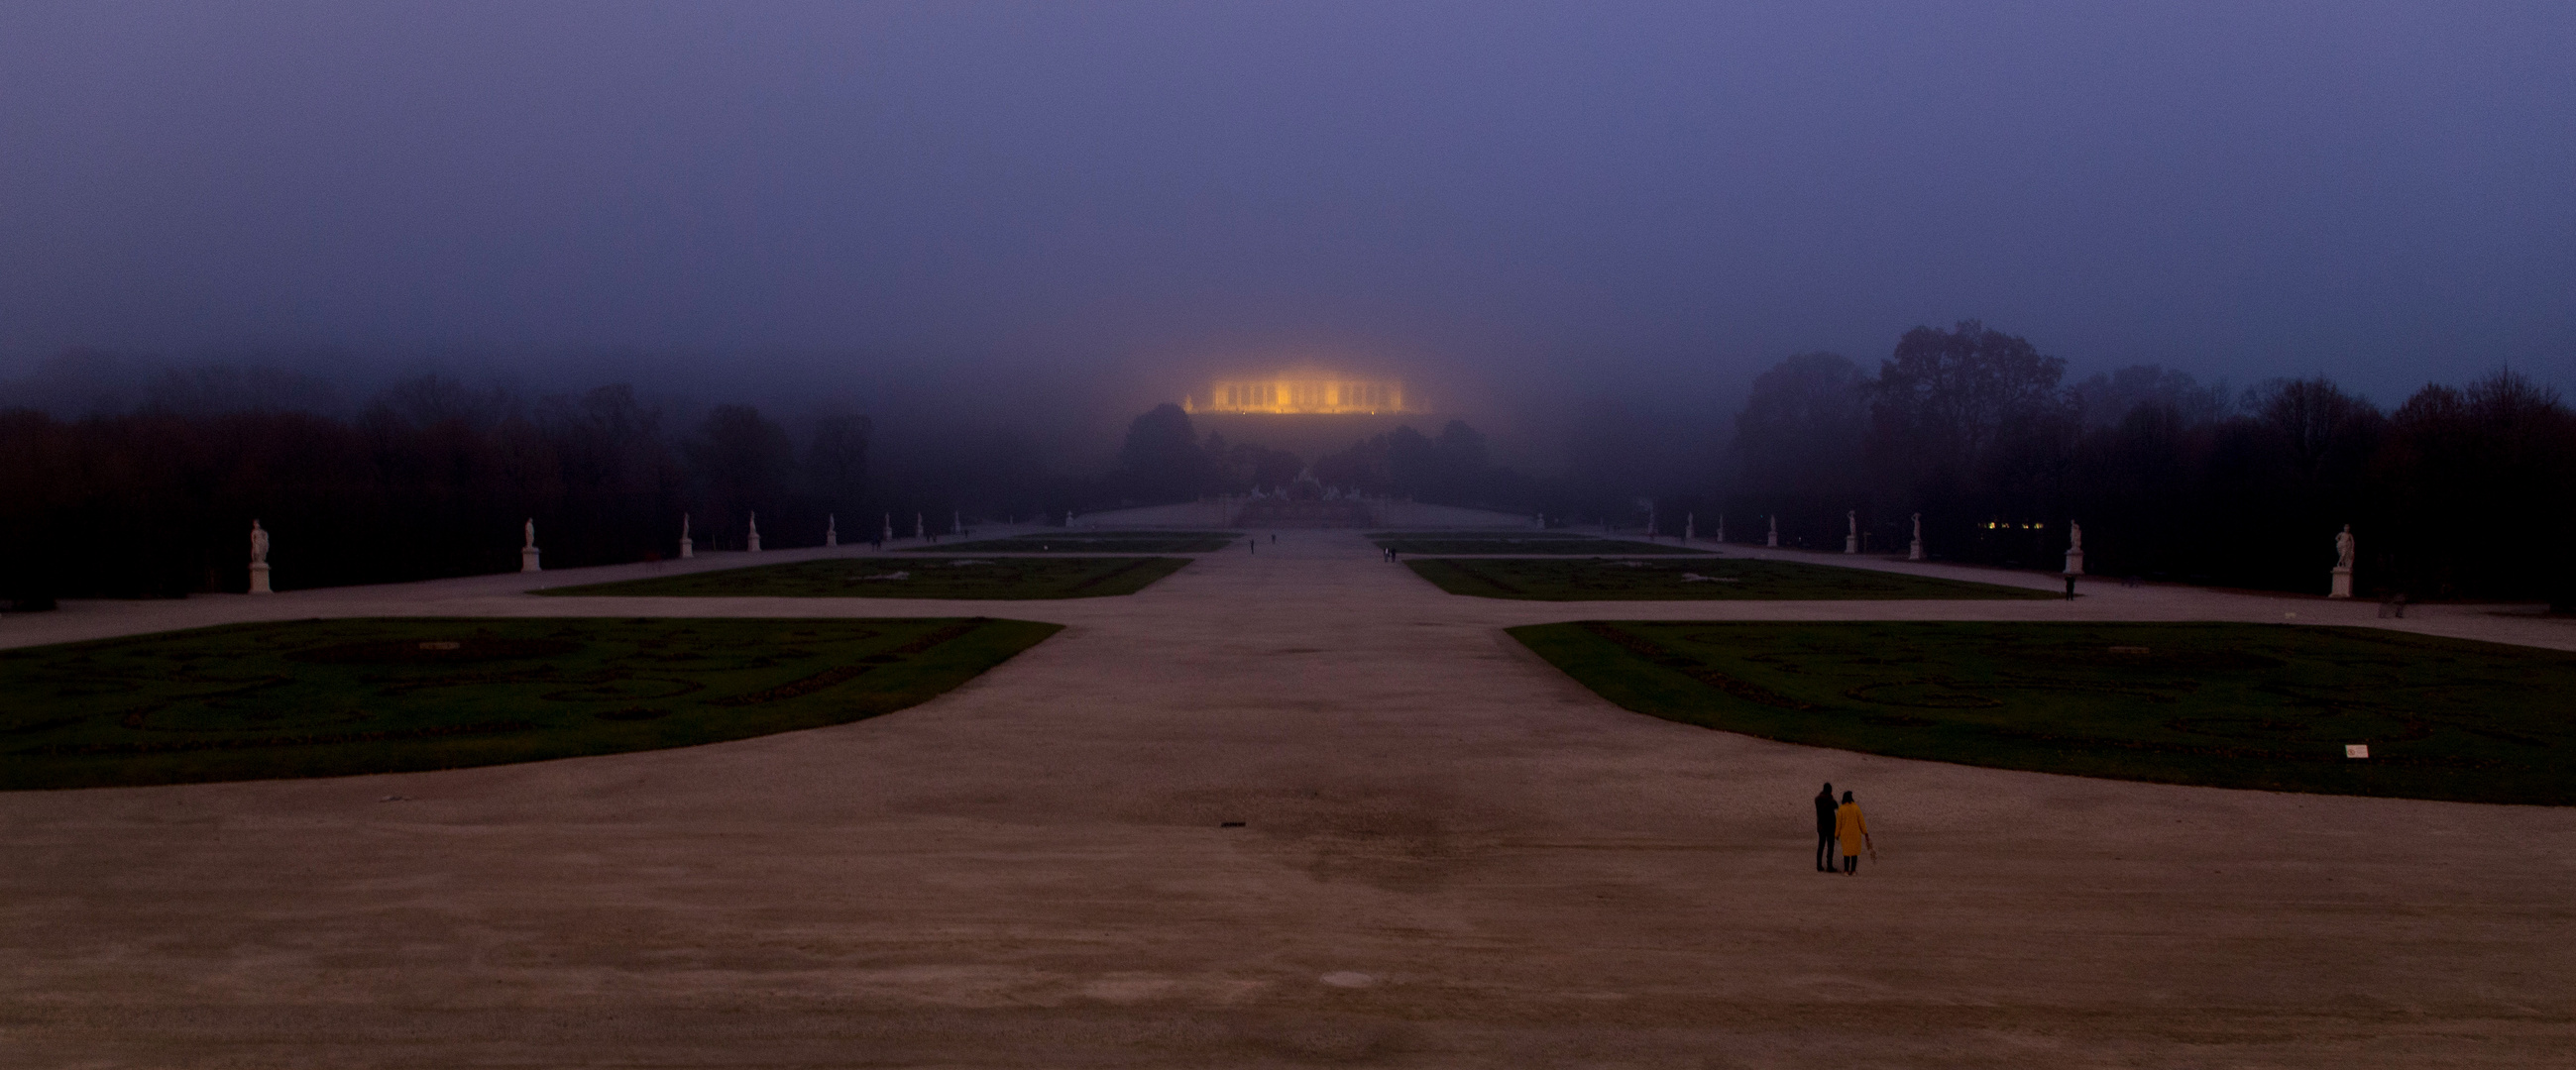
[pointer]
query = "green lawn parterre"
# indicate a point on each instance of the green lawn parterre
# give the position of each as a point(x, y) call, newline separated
point(1697, 579)
point(1095, 542)
point(2224, 705)
point(339, 697)
point(905, 577)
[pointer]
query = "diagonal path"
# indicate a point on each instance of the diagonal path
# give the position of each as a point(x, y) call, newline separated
point(1450, 854)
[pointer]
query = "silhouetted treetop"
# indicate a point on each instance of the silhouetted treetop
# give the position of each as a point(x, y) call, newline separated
point(1803, 425)
point(2109, 397)
point(1946, 398)
point(1162, 461)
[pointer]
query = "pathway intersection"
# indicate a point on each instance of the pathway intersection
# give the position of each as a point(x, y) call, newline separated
point(1448, 854)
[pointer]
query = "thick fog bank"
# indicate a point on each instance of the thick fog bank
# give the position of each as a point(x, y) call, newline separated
point(157, 465)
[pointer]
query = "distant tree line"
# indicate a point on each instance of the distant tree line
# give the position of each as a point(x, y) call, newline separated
point(1164, 460)
point(431, 479)
point(2458, 492)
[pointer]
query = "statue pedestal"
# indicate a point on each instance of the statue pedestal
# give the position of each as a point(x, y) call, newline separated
point(259, 579)
point(688, 548)
point(2074, 562)
point(753, 543)
point(1772, 540)
point(1915, 552)
point(1851, 544)
point(528, 559)
point(831, 538)
point(2342, 582)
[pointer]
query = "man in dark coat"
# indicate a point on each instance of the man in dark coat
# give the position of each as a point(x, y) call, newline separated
point(1825, 860)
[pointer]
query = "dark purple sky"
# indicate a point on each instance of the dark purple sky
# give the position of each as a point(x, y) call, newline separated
point(1665, 193)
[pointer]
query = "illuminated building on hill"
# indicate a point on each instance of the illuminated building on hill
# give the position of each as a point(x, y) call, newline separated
point(1299, 395)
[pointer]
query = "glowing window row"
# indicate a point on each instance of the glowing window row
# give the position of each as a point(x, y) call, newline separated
point(1307, 395)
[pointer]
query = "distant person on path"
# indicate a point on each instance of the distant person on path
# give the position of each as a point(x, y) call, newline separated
point(1825, 829)
point(1252, 545)
point(1852, 831)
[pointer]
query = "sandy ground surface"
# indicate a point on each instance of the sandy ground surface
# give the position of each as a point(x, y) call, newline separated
point(1220, 513)
point(1451, 855)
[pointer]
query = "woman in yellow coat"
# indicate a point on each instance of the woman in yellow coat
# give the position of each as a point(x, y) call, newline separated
point(1852, 831)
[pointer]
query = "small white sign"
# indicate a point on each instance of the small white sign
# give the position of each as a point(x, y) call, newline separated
point(2356, 750)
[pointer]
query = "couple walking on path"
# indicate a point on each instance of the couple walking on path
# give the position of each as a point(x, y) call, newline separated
point(1840, 823)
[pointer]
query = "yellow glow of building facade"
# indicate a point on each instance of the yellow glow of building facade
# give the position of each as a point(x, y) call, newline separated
point(1293, 395)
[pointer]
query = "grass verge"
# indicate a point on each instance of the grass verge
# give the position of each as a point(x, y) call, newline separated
point(1710, 579)
point(340, 697)
point(883, 577)
point(2222, 705)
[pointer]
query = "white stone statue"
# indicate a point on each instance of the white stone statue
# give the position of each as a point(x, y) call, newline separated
point(1915, 552)
point(531, 531)
point(956, 523)
point(2343, 565)
point(1851, 541)
point(831, 530)
point(751, 542)
point(886, 534)
point(920, 530)
point(688, 546)
point(528, 549)
point(1690, 526)
point(2074, 549)
point(1774, 539)
point(259, 559)
point(1721, 527)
